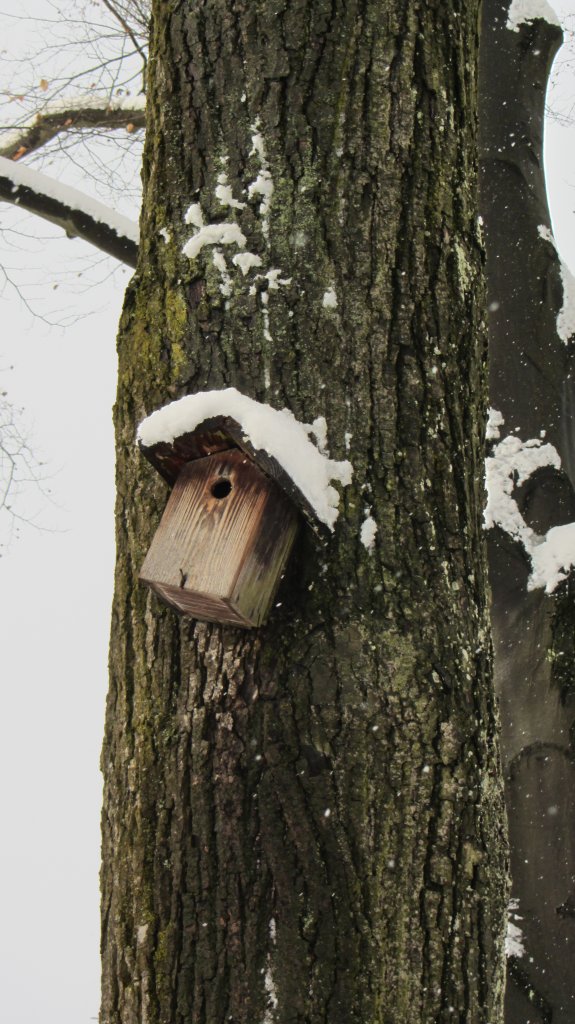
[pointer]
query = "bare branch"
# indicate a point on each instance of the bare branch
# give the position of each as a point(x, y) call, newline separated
point(46, 126)
point(77, 214)
point(119, 17)
point(20, 470)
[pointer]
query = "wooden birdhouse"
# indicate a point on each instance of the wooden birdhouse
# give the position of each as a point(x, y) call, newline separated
point(227, 530)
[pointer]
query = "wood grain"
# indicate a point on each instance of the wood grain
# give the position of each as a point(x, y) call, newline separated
point(221, 558)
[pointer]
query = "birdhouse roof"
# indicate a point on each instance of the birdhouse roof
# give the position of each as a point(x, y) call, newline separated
point(212, 421)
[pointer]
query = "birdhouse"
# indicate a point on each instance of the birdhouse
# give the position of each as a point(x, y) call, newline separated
point(227, 530)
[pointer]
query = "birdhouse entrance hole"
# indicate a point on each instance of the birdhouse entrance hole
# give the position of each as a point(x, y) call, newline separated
point(221, 488)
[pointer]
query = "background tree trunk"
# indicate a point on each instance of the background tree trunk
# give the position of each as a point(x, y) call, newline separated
point(305, 822)
point(531, 385)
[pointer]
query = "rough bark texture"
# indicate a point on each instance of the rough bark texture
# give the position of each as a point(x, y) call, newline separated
point(531, 384)
point(305, 823)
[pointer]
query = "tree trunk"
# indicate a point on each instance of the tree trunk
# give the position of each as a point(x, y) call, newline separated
point(304, 823)
point(531, 385)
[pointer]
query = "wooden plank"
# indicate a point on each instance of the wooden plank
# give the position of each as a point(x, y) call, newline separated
point(265, 560)
point(223, 540)
point(200, 606)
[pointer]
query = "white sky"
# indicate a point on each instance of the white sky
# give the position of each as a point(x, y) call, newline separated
point(55, 592)
point(560, 138)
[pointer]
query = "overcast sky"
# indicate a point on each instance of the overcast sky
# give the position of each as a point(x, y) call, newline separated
point(55, 583)
point(55, 594)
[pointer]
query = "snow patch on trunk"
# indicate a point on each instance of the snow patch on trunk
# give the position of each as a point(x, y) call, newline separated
point(224, 193)
point(368, 531)
point(514, 941)
point(523, 11)
point(271, 996)
point(246, 261)
point(494, 421)
point(512, 463)
point(553, 558)
point(566, 316)
point(214, 234)
point(263, 184)
point(194, 216)
point(219, 261)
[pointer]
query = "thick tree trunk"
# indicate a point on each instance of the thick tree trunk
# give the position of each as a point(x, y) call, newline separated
point(304, 823)
point(531, 385)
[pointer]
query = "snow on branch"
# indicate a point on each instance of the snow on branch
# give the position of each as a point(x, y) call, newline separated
point(77, 214)
point(275, 431)
point(126, 112)
point(523, 11)
point(512, 462)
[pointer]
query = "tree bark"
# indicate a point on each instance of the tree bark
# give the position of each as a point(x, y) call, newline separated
point(305, 823)
point(531, 385)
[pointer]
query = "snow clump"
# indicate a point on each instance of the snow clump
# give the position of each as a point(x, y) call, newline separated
point(276, 431)
point(522, 11)
point(512, 462)
point(368, 531)
point(514, 941)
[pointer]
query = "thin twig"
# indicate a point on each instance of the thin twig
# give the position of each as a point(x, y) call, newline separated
point(119, 17)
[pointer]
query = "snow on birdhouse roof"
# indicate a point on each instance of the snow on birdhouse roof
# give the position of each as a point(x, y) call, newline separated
point(273, 431)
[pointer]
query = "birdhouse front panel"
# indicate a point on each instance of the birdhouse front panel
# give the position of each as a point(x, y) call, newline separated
point(223, 541)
